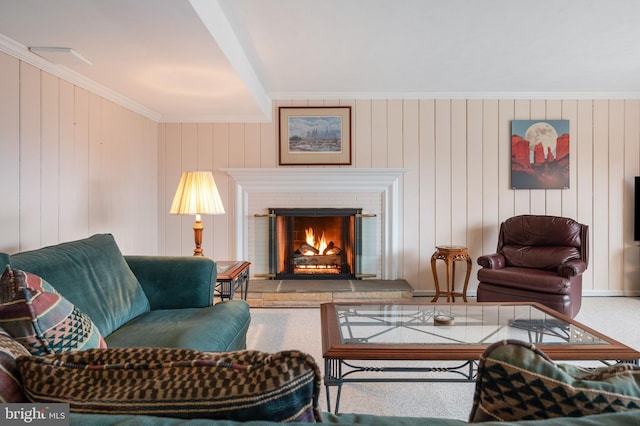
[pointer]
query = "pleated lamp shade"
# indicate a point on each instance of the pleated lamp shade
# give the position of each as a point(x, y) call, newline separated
point(197, 194)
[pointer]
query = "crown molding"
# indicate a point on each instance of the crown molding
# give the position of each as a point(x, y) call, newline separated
point(249, 118)
point(21, 52)
point(264, 100)
point(453, 95)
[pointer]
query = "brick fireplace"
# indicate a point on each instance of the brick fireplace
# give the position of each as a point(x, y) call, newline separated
point(372, 191)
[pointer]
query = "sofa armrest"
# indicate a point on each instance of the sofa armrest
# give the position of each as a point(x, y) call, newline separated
point(572, 268)
point(492, 261)
point(173, 282)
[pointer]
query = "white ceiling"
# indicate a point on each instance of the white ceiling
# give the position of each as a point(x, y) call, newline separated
point(225, 60)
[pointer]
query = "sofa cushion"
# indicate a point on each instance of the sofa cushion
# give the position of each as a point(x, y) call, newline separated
point(93, 275)
point(10, 386)
point(351, 419)
point(517, 381)
point(221, 327)
point(183, 383)
point(39, 318)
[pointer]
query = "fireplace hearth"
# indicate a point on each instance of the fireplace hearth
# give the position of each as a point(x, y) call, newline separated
point(314, 243)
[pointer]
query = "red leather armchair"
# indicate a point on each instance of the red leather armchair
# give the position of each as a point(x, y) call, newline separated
point(538, 259)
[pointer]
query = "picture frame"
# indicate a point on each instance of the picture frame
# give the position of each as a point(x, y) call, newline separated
point(315, 135)
point(540, 154)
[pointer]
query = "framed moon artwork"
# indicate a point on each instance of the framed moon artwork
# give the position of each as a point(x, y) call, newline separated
point(540, 154)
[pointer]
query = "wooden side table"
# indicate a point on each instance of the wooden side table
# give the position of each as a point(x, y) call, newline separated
point(232, 275)
point(450, 255)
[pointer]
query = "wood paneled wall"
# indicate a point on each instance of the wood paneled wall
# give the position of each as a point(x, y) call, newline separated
point(72, 164)
point(458, 188)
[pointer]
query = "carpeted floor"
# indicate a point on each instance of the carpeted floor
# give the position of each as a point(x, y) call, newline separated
point(274, 329)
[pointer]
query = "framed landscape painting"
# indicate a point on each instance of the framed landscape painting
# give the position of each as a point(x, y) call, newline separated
point(315, 135)
point(540, 154)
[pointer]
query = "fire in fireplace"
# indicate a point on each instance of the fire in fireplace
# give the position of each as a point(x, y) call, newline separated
point(314, 242)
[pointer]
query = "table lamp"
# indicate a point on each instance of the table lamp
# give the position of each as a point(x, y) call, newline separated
point(197, 194)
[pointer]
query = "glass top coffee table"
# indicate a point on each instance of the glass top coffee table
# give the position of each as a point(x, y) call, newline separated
point(400, 334)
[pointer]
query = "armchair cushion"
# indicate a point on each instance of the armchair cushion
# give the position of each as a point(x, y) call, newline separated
point(548, 258)
point(540, 230)
point(240, 386)
point(526, 279)
point(517, 381)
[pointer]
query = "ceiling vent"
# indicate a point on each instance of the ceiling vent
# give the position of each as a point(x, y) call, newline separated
point(61, 56)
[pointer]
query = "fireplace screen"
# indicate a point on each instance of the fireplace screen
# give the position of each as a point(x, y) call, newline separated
point(314, 243)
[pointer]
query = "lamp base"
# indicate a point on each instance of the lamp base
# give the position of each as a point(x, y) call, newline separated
point(198, 227)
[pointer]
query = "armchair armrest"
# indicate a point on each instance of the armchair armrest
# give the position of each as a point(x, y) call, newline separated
point(172, 282)
point(572, 268)
point(492, 261)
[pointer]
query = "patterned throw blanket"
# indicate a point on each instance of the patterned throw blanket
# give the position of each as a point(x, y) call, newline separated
point(183, 383)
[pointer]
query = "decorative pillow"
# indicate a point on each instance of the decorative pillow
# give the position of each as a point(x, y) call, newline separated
point(10, 387)
point(43, 321)
point(517, 381)
point(182, 383)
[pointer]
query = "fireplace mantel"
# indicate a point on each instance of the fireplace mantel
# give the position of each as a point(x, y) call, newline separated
point(325, 179)
point(386, 182)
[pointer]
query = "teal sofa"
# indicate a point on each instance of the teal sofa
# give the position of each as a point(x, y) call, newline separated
point(140, 301)
point(612, 419)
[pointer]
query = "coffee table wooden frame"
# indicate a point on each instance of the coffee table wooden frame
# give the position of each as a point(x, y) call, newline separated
point(338, 368)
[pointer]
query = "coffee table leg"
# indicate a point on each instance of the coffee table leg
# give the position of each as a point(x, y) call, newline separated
point(473, 369)
point(337, 399)
point(331, 367)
